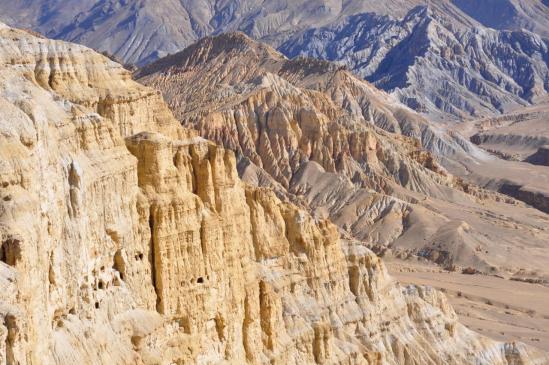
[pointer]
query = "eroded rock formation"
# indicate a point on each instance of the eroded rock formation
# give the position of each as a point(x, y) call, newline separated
point(128, 239)
point(451, 59)
point(335, 145)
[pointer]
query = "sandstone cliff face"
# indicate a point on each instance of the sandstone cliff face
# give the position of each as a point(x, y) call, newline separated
point(128, 239)
point(324, 139)
point(281, 113)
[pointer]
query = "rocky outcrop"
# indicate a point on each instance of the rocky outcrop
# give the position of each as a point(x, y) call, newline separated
point(280, 113)
point(512, 146)
point(528, 194)
point(519, 134)
point(434, 61)
point(311, 131)
point(128, 239)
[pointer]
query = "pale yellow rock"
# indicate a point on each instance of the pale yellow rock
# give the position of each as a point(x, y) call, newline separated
point(126, 239)
point(333, 144)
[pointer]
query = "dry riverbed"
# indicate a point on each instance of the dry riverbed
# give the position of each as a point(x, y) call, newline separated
point(498, 308)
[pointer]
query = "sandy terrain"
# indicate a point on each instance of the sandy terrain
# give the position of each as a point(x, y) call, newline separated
point(515, 135)
point(498, 308)
point(513, 157)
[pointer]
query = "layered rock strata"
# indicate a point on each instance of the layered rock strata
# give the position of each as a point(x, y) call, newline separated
point(128, 239)
point(334, 144)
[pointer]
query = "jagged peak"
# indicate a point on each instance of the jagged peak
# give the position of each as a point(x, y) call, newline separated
point(209, 48)
point(243, 50)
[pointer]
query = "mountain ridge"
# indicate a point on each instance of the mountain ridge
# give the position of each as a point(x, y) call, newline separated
point(142, 32)
point(127, 238)
point(440, 69)
point(326, 139)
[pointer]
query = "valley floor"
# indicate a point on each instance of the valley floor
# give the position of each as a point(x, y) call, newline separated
point(502, 309)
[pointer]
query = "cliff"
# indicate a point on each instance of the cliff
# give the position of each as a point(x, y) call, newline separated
point(338, 147)
point(127, 239)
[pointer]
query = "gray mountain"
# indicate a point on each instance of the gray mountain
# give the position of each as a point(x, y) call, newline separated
point(140, 31)
point(433, 63)
point(447, 58)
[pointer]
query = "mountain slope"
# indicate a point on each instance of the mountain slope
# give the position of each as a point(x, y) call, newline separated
point(142, 31)
point(433, 65)
point(308, 129)
point(441, 60)
point(125, 238)
point(508, 14)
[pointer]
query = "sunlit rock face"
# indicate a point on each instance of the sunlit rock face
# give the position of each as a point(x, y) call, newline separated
point(129, 239)
point(332, 143)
